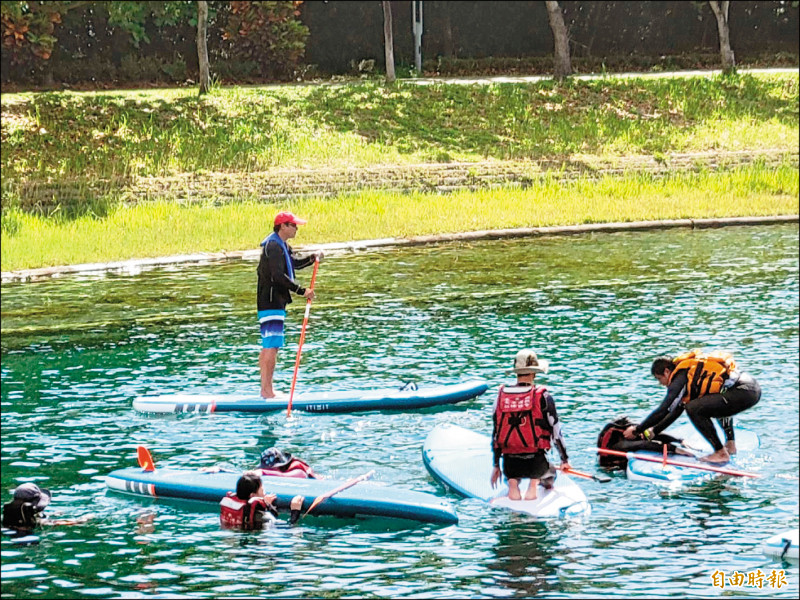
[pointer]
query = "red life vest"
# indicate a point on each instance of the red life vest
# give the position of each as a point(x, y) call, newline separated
point(238, 514)
point(295, 468)
point(520, 426)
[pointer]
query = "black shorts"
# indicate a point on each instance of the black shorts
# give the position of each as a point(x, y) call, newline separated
point(525, 466)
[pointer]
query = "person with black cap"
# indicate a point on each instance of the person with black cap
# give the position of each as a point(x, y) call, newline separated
point(525, 424)
point(25, 512)
point(275, 283)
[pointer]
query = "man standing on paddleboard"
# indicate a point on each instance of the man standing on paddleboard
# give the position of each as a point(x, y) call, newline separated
point(525, 423)
point(276, 281)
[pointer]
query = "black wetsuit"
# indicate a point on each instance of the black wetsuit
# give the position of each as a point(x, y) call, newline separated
point(742, 395)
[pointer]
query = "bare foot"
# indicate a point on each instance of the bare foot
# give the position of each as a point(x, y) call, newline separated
point(297, 503)
point(513, 490)
point(730, 446)
point(531, 494)
point(720, 457)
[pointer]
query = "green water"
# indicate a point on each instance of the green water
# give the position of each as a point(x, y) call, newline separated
point(77, 350)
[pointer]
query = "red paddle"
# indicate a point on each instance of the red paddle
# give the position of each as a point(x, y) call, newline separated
point(677, 463)
point(598, 478)
point(302, 339)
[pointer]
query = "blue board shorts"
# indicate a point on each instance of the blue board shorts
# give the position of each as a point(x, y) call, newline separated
point(271, 322)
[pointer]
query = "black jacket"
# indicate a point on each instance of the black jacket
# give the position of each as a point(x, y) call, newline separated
point(274, 283)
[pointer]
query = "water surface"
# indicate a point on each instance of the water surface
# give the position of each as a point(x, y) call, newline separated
point(76, 351)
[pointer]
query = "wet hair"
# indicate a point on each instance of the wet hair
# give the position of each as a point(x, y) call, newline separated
point(661, 364)
point(247, 485)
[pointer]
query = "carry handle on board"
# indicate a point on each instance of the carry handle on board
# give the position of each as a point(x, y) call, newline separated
point(677, 463)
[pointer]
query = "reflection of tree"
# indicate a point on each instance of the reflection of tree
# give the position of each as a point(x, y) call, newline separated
point(524, 551)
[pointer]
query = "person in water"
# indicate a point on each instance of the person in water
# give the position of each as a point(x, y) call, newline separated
point(26, 511)
point(525, 424)
point(275, 462)
point(250, 508)
point(706, 385)
point(276, 270)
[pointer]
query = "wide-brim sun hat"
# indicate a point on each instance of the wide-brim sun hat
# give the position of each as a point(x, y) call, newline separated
point(30, 492)
point(526, 362)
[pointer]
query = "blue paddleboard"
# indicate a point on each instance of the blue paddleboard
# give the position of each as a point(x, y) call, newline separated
point(461, 459)
point(364, 499)
point(316, 402)
point(640, 470)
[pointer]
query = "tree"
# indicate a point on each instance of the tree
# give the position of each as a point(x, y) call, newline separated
point(723, 28)
point(563, 66)
point(202, 46)
point(388, 41)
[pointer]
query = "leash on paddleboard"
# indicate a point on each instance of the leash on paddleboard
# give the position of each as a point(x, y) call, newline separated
point(144, 458)
point(597, 478)
point(347, 484)
point(677, 463)
point(302, 339)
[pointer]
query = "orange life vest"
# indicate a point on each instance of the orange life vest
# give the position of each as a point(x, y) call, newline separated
point(521, 428)
point(238, 514)
point(706, 372)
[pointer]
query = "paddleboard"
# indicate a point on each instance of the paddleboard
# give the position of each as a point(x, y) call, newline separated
point(640, 470)
point(783, 545)
point(316, 402)
point(461, 459)
point(365, 499)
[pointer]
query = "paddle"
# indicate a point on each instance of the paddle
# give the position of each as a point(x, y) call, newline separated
point(677, 463)
point(347, 484)
point(302, 339)
point(145, 460)
point(597, 478)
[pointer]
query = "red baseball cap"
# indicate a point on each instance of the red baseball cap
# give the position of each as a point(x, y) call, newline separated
point(287, 217)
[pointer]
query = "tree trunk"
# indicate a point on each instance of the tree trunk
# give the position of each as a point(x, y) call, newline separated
point(388, 41)
point(447, 30)
point(562, 61)
point(202, 46)
point(723, 27)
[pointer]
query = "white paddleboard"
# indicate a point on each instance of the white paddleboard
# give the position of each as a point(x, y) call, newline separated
point(783, 545)
point(462, 460)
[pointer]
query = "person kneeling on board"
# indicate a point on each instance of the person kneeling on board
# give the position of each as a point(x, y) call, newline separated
point(524, 424)
point(250, 508)
point(706, 385)
point(25, 512)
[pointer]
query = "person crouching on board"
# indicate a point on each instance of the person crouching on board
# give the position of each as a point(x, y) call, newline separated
point(250, 508)
point(708, 386)
point(525, 423)
point(25, 512)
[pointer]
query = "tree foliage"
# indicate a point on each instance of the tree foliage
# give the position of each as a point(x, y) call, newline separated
point(268, 33)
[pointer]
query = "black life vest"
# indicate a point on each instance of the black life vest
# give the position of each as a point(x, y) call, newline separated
point(520, 425)
point(239, 514)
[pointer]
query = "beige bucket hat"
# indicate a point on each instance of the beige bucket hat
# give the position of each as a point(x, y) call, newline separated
point(526, 362)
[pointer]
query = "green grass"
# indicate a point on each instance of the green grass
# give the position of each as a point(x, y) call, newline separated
point(161, 228)
point(124, 134)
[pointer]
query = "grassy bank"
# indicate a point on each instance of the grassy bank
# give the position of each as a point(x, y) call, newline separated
point(106, 139)
point(161, 228)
